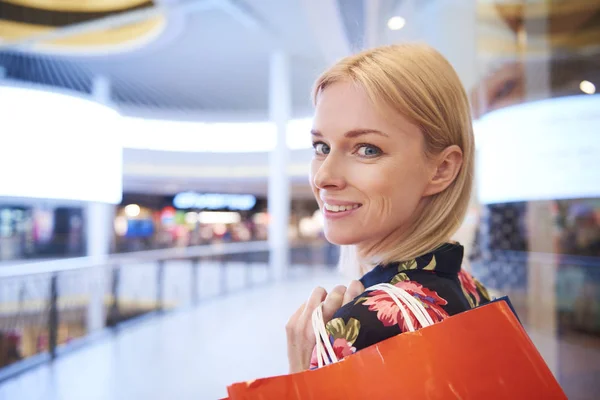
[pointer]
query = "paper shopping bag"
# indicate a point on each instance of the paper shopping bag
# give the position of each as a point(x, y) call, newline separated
point(482, 353)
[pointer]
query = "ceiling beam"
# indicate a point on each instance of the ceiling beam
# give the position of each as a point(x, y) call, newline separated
point(328, 28)
point(245, 14)
point(372, 23)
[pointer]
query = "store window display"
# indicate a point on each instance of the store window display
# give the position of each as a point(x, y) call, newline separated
point(40, 231)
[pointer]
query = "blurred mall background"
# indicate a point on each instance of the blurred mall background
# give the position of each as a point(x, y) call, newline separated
point(153, 181)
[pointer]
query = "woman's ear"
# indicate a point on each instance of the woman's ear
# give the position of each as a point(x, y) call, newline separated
point(446, 168)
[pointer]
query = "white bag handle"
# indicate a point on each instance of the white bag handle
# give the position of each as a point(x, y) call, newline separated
point(405, 302)
point(323, 352)
point(409, 301)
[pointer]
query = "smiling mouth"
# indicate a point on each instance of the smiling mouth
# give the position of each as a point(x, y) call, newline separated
point(335, 208)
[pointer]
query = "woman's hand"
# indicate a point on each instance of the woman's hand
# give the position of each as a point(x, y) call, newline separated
point(300, 336)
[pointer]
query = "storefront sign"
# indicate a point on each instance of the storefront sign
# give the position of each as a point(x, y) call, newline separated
point(237, 202)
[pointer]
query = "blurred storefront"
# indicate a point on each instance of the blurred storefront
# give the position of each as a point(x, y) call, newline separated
point(145, 221)
point(40, 232)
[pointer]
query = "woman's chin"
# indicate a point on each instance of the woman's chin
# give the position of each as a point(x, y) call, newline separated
point(340, 239)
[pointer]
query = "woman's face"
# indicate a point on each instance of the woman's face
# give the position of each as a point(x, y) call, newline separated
point(369, 173)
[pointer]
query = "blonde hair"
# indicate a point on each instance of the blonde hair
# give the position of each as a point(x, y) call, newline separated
point(416, 81)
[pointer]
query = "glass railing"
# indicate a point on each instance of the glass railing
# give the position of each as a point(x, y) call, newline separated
point(50, 307)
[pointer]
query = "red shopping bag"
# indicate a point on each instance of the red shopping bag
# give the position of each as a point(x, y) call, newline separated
point(482, 353)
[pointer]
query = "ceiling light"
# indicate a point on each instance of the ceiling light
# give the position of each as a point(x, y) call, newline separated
point(219, 217)
point(587, 87)
point(191, 218)
point(132, 210)
point(396, 23)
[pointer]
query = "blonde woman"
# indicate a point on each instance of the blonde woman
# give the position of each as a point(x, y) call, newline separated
point(392, 173)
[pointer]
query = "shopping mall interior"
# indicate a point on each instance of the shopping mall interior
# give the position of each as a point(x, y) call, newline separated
point(154, 179)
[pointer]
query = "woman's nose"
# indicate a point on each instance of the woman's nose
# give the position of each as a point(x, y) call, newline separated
point(330, 175)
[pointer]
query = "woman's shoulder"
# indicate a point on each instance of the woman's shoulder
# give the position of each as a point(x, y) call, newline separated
point(379, 307)
point(473, 290)
point(374, 316)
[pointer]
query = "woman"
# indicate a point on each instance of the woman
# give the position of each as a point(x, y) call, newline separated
point(392, 173)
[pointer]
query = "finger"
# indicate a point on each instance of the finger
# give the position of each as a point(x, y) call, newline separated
point(333, 302)
point(304, 323)
point(293, 321)
point(355, 289)
point(317, 296)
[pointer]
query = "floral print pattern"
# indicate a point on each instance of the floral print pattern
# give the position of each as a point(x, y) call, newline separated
point(401, 277)
point(469, 289)
point(390, 314)
point(472, 289)
point(341, 336)
point(435, 279)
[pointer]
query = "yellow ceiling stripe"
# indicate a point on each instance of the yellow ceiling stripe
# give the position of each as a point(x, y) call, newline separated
point(507, 46)
point(535, 10)
point(17, 30)
point(78, 5)
point(14, 31)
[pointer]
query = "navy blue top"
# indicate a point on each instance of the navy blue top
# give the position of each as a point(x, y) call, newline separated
point(436, 279)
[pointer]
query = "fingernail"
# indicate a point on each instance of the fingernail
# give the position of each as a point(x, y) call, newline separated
point(339, 290)
point(356, 288)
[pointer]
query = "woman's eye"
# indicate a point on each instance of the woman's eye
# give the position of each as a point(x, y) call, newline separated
point(368, 151)
point(321, 148)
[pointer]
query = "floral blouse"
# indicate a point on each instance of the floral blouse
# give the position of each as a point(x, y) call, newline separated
point(436, 279)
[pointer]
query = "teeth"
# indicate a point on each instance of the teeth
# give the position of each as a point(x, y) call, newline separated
point(335, 208)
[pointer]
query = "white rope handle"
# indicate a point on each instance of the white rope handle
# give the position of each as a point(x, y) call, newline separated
point(325, 354)
point(415, 306)
point(405, 302)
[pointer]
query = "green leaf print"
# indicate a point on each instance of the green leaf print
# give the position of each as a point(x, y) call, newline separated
point(339, 330)
point(432, 264)
point(401, 277)
point(407, 265)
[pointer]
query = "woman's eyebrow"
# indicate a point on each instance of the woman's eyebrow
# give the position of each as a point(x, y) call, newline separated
point(353, 133)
